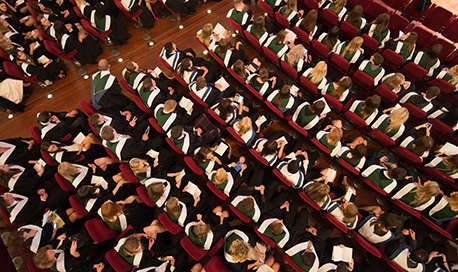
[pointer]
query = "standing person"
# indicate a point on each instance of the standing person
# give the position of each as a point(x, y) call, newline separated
point(105, 89)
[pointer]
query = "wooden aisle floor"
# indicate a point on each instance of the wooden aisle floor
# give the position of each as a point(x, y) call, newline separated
point(67, 93)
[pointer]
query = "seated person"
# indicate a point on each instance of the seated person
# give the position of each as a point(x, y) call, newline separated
point(345, 212)
point(203, 234)
point(418, 196)
point(146, 16)
point(244, 128)
point(317, 74)
point(420, 146)
point(379, 229)
point(170, 114)
point(206, 159)
point(296, 57)
point(445, 209)
point(449, 75)
point(18, 151)
point(250, 201)
point(378, 30)
point(133, 75)
point(278, 43)
point(228, 110)
point(225, 180)
point(337, 7)
point(355, 156)
point(131, 211)
point(447, 164)
point(290, 12)
point(237, 245)
point(338, 89)
point(393, 124)
point(307, 116)
point(406, 44)
point(150, 93)
point(64, 260)
point(171, 55)
point(229, 52)
point(283, 99)
point(304, 255)
point(367, 109)
point(102, 20)
point(188, 72)
point(294, 168)
point(351, 51)
point(135, 250)
point(355, 17)
point(270, 149)
point(422, 101)
point(258, 29)
point(308, 23)
point(330, 39)
point(373, 67)
point(159, 190)
point(126, 147)
point(22, 209)
point(397, 83)
point(75, 174)
point(429, 60)
point(318, 193)
point(331, 139)
point(386, 179)
point(261, 81)
point(209, 93)
point(186, 140)
point(239, 14)
point(56, 125)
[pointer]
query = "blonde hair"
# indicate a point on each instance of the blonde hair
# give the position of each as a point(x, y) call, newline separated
point(220, 176)
point(334, 135)
point(137, 165)
point(67, 170)
point(132, 245)
point(425, 192)
point(41, 259)
point(394, 81)
point(453, 201)
point(201, 230)
point(454, 74)
point(244, 125)
point(397, 118)
point(239, 251)
point(110, 211)
point(354, 45)
point(318, 72)
point(318, 191)
point(337, 6)
point(172, 207)
point(350, 212)
point(205, 34)
point(295, 54)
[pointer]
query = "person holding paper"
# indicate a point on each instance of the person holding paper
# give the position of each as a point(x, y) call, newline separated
point(209, 93)
point(294, 168)
point(418, 196)
point(151, 94)
point(228, 109)
point(346, 213)
point(229, 50)
point(304, 255)
point(261, 81)
point(56, 125)
point(270, 149)
point(133, 75)
point(126, 147)
point(186, 140)
point(297, 57)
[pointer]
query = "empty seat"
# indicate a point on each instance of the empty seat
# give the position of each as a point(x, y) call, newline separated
point(392, 59)
point(288, 69)
point(117, 262)
point(320, 50)
point(270, 55)
point(328, 18)
point(340, 63)
point(398, 23)
point(437, 18)
point(281, 20)
point(414, 72)
point(348, 31)
point(376, 8)
point(252, 40)
point(451, 31)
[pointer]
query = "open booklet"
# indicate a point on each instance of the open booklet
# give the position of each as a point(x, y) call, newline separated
point(219, 30)
point(449, 149)
point(342, 254)
point(156, 72)
point(41, 163)
point(294, 90)
point(223, 83)
point(192, 189)
point(186, 104)
point(99, 180)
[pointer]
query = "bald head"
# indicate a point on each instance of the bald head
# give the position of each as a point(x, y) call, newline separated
point(103, 65)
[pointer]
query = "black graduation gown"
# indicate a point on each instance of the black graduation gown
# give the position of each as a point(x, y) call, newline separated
point(21, 155)
point(87, 50)
point(32, 212)
point(53, 69)
point(119, 34)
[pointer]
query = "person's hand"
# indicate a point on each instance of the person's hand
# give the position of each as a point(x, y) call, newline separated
point(412, 234)
point(218, 86)
point(383, 159)
point(171, 259)
point(285, 206)
point(196, 201)
point(55, 119)
point(99, 266)
point(312, 230)
point(93, 167)
point(66, 13)
point(145, 137)
point(406, 84)
point(260, 188)
point(120, 202)
point(133, 122)
point(29, 143)
point(199, 217)
point(155, 163)
point(61, 237)
point(405, 232)
point(281, 142)
point(47, 63)
point(126, 114)
point(198, 131)
point(73, 248)
point(43, 196)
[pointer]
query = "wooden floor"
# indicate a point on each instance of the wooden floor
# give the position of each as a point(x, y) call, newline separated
point(67, 93)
